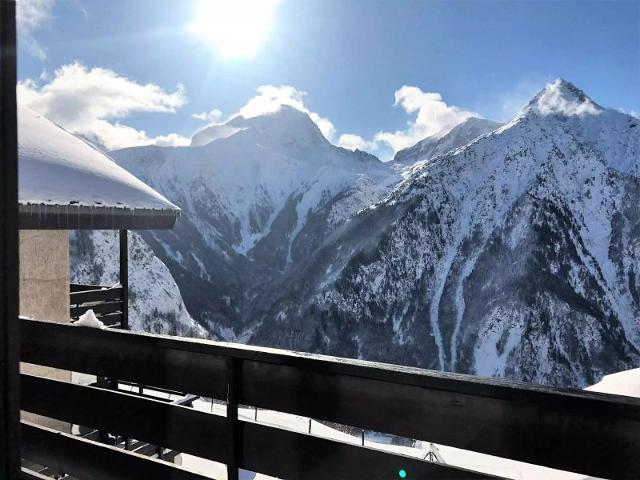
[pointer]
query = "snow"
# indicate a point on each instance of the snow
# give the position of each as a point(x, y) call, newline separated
point(561, 97)
point(89, 319)
point(212, 133)
point(58, 168)
point(407, 160)
point(622, 383)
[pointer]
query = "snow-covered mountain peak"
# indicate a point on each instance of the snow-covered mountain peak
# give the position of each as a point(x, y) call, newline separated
point(435, 145)
point(562, 112)
point(283, 127)
point(286, 126)
point(562, 98)
point(213, 132)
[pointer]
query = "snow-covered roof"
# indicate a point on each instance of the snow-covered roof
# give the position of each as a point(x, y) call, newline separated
point(64, 182)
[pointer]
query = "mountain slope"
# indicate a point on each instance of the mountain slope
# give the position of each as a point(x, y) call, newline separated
point(516, 256)
point(436, 145)
point(155, 304)
point(255, 202)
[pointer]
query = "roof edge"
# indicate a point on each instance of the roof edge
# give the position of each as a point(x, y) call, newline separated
point(82, 217)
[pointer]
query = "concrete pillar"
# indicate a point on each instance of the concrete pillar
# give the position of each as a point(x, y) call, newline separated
point(44, 293)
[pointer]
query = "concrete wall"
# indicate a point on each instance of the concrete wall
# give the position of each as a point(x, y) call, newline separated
point(44, 292)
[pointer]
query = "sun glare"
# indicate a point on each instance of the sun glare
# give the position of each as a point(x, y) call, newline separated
point(236, 28)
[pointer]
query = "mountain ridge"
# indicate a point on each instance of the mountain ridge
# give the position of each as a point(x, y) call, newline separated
point(435, 145)
point(448, 218)
point(510, 250)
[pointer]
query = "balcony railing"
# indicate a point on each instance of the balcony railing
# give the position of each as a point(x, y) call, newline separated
point(106, 303)
point(589, 433)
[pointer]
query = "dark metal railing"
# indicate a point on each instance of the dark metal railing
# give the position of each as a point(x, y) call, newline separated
point(584, 432)
point(106, 302)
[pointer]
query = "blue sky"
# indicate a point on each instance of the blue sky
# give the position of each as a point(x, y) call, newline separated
point(118, 68)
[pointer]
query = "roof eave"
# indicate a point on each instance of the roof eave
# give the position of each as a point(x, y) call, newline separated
point(81, 217)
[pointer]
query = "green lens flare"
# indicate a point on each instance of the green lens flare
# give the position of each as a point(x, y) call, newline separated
point(402, 473)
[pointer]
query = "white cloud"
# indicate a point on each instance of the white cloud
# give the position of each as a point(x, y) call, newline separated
point(433, 117)
point(558, 98)
point(86, 101)
point(356, 142)
point(633, 113)
point(271, 97)
point(212, 116)
point(31, 15)
point(172, 140)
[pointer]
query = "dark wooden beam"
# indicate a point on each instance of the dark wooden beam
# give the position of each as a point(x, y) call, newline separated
point(151, 361)
point(98, 308)
point(98, 295)
point(9, 328)
point(87, 459)
point(285, 454)
point(234, 442)
point(153, 421)
point(124, 277)
point(26, 474)
point(79, 287)
point(111, 320)
point(585, 432)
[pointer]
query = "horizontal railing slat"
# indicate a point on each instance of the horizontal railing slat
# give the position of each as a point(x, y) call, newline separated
point(87, 459)
point(99, 308)
point(26, 474)
point(585, 432)
point(100, 295)
point(111, 319)
point(81, 287)
point(154, 421)
point(148, 360)
point(290, 455)
point(567, 433)
point(185, 430)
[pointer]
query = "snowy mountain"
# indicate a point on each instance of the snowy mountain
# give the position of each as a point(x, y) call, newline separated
point(436, 145)
point(516, 256)
point(508, 251)
point(259, 197)
point(155, 304)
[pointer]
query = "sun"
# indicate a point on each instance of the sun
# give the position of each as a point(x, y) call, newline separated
point(236, 28)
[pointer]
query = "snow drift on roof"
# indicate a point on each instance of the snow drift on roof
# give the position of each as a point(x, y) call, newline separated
point(58, 168)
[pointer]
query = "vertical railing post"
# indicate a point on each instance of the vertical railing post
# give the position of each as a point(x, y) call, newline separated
point(124, 278)
point(9, 326)
point(234, 382)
